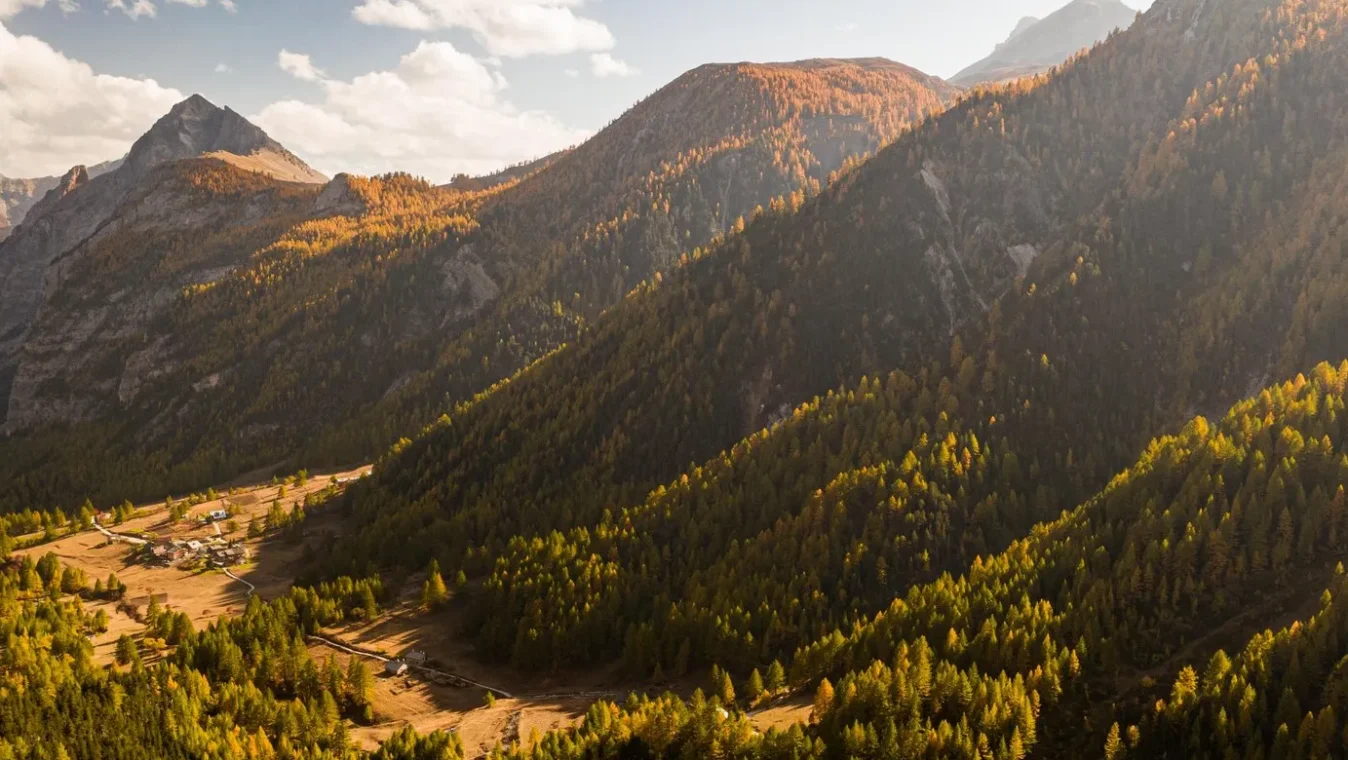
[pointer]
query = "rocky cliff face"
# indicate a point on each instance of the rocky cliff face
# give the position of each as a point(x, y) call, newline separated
point(76, 212)
point(101, 338)
point(56, 224)
point(18, 196)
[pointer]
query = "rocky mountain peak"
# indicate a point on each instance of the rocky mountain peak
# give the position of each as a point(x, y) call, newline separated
point(193, 127)
point(71, 181)
point(197, 127)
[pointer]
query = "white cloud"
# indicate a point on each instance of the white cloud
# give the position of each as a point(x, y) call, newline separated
point(438, 113)
point(226, 4)
point(604, 65)
point(299, 66)
point(10, 8)
point(138, 8)
point(56, 112)
point(134, 8)
point(573, 73)
point(401, 13)
point(507, 28)
point(223, 68)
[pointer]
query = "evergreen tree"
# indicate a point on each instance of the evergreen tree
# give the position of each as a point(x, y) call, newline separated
point(823, 700)
point(433, 591)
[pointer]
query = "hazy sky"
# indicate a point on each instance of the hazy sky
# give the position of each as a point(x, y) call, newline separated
point(428, 86)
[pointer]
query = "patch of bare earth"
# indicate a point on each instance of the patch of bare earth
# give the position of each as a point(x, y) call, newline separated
point(537, 703)
point(782, 715)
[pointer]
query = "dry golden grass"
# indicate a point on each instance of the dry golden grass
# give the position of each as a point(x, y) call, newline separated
point(782, 715)
point(203, 595)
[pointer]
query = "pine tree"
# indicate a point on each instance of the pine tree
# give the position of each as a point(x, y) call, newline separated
point(1114, 744)
point(360, 685)
point(726, 689)
point(754, 689)
point(125, 653)
point(823, 700)
point(433, 591)
point(776, 677)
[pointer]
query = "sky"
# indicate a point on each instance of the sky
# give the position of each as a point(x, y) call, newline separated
point(431, 87)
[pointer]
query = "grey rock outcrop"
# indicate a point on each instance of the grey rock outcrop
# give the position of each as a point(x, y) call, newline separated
point(37, 254)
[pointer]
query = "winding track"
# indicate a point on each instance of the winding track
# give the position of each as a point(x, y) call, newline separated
point(122, 537)
point(251, 587)
point(360, 653)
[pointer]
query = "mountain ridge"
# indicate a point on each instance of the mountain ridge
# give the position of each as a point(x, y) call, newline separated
point(914, 260)
point(1036, 47)
point(486, 280)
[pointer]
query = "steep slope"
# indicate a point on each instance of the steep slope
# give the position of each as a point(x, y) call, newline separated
point(196, 127)
point(18, 196)
point(70, 218)
point(362, 335)
point(1036, 46)
point(681, 170)
point(1070, 637)
point(1045, 259)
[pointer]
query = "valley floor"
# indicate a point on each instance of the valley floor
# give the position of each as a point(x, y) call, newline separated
point(537, 704)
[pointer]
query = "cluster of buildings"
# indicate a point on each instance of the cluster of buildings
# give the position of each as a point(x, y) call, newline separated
point(413, 659)
point(216, 551)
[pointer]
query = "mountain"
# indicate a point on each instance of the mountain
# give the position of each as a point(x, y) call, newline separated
point(17, 196)
point(1036, 45)
point(81, 212)
point(328, 339)
point(1026, 437)
point(1022, 25)
point(196, 127)
point(1032, 538)
point(1059, 271)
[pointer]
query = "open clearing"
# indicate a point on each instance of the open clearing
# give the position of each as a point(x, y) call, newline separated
point(539, 704)
point(204, 595)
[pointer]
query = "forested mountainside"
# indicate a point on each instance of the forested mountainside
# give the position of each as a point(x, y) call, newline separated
point(1094, 630)
point(1091, 635)
point(1037, 45)
point(685, 167)
point(1060, 270)
point(520, 171)
point(383, 302)
point(1026, 438)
